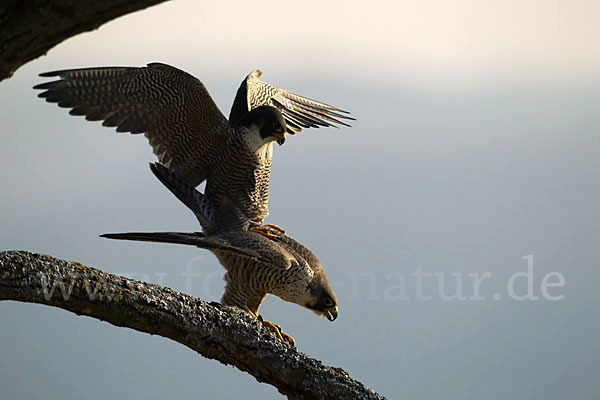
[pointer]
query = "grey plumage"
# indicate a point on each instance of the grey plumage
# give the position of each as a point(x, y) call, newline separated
point(255, 264)
point(185, 128)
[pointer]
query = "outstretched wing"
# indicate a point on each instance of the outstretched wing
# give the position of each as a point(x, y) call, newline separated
point(172, 108)
point(299, 111)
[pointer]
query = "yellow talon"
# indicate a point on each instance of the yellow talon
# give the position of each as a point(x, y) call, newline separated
point(290, 339)
point(284, 337)
point(276, 228)
point(262, 230)
point(274, 328)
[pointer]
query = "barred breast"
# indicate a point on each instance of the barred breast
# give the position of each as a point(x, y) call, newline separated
point(243, 176)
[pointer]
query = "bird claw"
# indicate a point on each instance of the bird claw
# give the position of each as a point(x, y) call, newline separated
point(276, 329)
point(287, 338)
point(267, 231)
point(276, 228)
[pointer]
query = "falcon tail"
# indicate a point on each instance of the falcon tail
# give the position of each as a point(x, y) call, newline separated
point(225, 217)
point(191, 239)
point(194, 200)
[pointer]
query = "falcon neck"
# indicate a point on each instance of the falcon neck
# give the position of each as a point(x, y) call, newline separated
point(257, 144)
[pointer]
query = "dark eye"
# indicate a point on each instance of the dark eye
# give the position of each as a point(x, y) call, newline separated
point(277, 128)
point(328, 302)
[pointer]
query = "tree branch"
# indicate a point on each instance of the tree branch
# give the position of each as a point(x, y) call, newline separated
point(28, 29)
point(222, 333)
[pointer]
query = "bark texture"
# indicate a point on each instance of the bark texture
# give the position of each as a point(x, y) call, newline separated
point(29, 28)
point(222, 333)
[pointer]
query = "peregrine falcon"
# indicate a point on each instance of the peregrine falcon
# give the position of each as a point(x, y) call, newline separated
point(255, 264)
point(186, 129)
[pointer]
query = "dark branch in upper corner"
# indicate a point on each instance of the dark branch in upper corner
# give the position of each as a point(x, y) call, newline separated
point(28, 29)
point(221, 333)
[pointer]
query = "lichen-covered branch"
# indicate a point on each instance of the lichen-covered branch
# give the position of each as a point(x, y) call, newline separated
point(221, 333)
point(28, 29)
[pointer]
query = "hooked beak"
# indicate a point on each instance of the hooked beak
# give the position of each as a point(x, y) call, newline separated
point(280, 137)
point(332, 313)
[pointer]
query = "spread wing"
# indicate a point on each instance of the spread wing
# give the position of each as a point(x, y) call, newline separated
point(170, 107)
point(299, 111)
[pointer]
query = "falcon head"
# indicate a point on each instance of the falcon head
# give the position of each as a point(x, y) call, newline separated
point(308, 287)
point(321, 298)
point(268, 122)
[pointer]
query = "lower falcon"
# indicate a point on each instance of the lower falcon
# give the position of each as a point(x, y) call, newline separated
point(255, 264)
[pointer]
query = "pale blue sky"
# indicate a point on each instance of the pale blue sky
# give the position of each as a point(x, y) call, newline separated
point(476, 144)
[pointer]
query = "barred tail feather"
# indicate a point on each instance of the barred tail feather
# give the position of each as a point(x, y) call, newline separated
point(188, 195)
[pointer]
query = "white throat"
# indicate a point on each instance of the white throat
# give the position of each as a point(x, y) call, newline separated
point(255, 142)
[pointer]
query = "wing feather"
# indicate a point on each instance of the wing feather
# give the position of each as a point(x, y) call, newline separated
point(172, 108)
point(299, 111)
point(236, 245)
point(193, 239)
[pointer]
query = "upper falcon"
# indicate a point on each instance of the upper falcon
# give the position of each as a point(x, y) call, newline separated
point(186, 129)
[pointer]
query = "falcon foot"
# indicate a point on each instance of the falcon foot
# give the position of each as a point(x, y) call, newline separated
point(276, 228)
point(267, 231)
point(284, 337)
